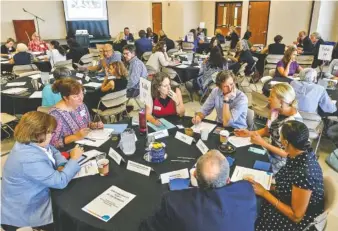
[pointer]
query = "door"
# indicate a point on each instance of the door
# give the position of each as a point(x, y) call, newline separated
point(157, 17)
point(23, 30)
point(227, 15)
point(258, 21)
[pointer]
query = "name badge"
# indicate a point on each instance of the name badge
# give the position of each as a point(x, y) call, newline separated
point(139, 168)
point(202, 147)
point(159, 134)
point(115, 156)
point(184, 138)
point(157, 108)
point(83, 113)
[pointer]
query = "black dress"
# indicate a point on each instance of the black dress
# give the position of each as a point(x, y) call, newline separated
point(304, 172)
point(276, 48)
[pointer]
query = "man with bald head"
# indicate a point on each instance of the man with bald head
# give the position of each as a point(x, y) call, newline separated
point(215, 205)
point(110, 56)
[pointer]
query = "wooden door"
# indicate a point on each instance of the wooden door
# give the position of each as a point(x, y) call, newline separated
point(23, 28)
point(258, 21)
point(157, 17)
point(227, 15)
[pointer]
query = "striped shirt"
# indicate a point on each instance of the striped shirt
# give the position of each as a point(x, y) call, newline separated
point(136, 70)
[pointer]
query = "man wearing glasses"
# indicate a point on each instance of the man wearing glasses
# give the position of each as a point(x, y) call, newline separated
point(109, 56)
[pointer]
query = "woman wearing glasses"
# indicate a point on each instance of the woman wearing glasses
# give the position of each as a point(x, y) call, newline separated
point(166, 102)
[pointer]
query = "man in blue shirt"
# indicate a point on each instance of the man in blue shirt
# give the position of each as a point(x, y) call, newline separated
point(230, 103)
point(127, 35)
point(143, 44)
point(110, 56)
point(213, 206)
point(310, 95)
point(136, 70)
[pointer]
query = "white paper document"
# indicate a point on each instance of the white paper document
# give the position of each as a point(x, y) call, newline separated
point(262, 177)
point(15, 91)
point(239, 141)
point(92, 84)
point(36, 94)
point(15, 84)
point(182, 66)
point(87, 169)
point(203, 125)
point(109, 203)
point(89, 155)
point(100, 134)
point(139, 168)
point(184, 138)
point(92, 143)
point(166, 177)
point(202, 147)
point(159, 134)
point(36, 76)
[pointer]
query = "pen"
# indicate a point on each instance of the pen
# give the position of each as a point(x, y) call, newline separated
point(89, 139)
point(183, 157)
point(183, 161)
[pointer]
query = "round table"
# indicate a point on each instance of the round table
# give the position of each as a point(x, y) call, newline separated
point(67, 203)
point(187, 73)
point(43, 66)
point(20, 104)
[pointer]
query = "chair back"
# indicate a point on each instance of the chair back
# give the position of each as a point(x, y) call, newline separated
point(272, 60)
point(171, 72)
point(304, 60)
point(6, 118)
point(241, 71)
point(146, 55)
point(95, 53)
point(87, 60)
point(67, 63)
point(43, 109)
point(260, 104)
point(187, 46)
point(25, 70)
point(172, 51)
point(151, 70)
point(115, 98)
point(250, 119)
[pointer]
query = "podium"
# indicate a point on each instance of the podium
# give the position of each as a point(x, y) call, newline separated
point(83, 40)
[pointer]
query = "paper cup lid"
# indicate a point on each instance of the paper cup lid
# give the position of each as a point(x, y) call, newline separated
point(224, 133)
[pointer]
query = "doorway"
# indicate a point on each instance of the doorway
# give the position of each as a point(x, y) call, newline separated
point(258, 21)
point(227, 15)
point(157, 17)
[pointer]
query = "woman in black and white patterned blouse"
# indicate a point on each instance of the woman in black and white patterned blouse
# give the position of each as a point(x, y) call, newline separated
point(298, 196)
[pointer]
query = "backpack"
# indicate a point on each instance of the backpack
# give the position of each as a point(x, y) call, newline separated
point(332, 160)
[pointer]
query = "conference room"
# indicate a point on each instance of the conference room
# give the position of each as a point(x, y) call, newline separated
point(169, 115)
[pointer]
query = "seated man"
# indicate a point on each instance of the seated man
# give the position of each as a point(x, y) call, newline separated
point(304, 42)
point(127, 35)
point(143, 44)
point(316, 40)
point(109, 57)
point(311, 95)
point(231, 104)
point(136, 70)
point(8, 47)
point(213, 206)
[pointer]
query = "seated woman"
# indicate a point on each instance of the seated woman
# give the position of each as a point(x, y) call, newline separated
point(276, 48)
point(247, 45)
point(194, 39)
point(36, 44)
point(165, 101)
point(8, 47)
point(233, 37)
point(49, 98)
point(163, 37)
point(298, 196)
point(241, 57)
point(55, 53)
point(72, 115)
point(119, 42)
point(282, 103)
point(215, 63)
point(219, 36)
point(214, 42)
point(288, 66)
point(32, 168)
point(159, 58)
point(231, 104)
point(22, 57)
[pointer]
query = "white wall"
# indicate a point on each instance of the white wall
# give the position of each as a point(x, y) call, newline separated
point(54, 26)
point(192, 15)
point(172, 19)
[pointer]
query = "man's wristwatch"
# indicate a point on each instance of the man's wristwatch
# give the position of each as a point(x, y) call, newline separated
point(226, 101)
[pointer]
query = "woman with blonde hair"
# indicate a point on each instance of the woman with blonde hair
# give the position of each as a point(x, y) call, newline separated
point(119, 42)
point(283, 106)
point(220, 37)
point(32, 168)
point(119, 71)
point(22, 57)
point(288, 66)
point(233, 37)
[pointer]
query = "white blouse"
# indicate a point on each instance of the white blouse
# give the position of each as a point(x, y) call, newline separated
point(158, 60)
point(54, 56)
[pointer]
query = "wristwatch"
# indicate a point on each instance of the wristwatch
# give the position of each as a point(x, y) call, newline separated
point(226, 101)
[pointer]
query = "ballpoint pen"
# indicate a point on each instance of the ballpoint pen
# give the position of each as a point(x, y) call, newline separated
point(89, 139)
point(183, 161)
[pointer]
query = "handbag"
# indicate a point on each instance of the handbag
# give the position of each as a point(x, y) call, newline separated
point(332, 160)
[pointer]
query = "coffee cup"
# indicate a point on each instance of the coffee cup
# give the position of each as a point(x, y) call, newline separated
point(223, 136)
point(103, 166)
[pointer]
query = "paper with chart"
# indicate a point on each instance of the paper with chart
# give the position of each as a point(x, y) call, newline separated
point(262, 177)
point(15, 84)
point(165, 124)
point(87, 169)
point(15, 90)
point(36, 94)
point(109, 203)
point(239, 141)
point(203, 125)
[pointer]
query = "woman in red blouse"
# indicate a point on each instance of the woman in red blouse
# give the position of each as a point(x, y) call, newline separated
point(37, 45)
point(165, 101)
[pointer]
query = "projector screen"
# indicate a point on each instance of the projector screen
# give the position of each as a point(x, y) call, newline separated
point(77, 10)
point(90, 15)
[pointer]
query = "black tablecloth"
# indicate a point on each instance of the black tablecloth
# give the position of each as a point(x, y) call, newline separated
point(187, 73)
point(43, 66)
point(67, 203)
point(20, 104)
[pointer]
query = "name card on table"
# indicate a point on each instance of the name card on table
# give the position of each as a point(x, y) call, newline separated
point(87, 78)
point(325, 52)
point(79, 75)
point(202, 147)
point(184, 138)
point(159, 134)
point(166, 177)
point(139, 168)
point(115, 156)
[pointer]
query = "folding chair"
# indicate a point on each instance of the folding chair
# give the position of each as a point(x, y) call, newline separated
point(330, 202)
point(87, 60)
point(43, 109)
point(305, 60)
point(67, 63)
point(25, 70)
point(172, 51)
point(146, 55)
point(243, 78)
point(151, 72)
point(271, 61)
point(250, 119)
point(315, 125)
point(5, 119)
point(115, 102)
point(259, 104)
point(186, 46)
point(206, 91)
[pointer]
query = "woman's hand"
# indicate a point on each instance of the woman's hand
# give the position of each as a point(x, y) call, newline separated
point(173, 96)
point(76, 153)
point(258, 188)
point(96, 125)
point(257, 139)
point(82, 133)
point(60, 168)
point(157, 123)
point(242, 133)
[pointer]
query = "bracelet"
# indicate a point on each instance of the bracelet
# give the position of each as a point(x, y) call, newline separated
point(276, 203)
